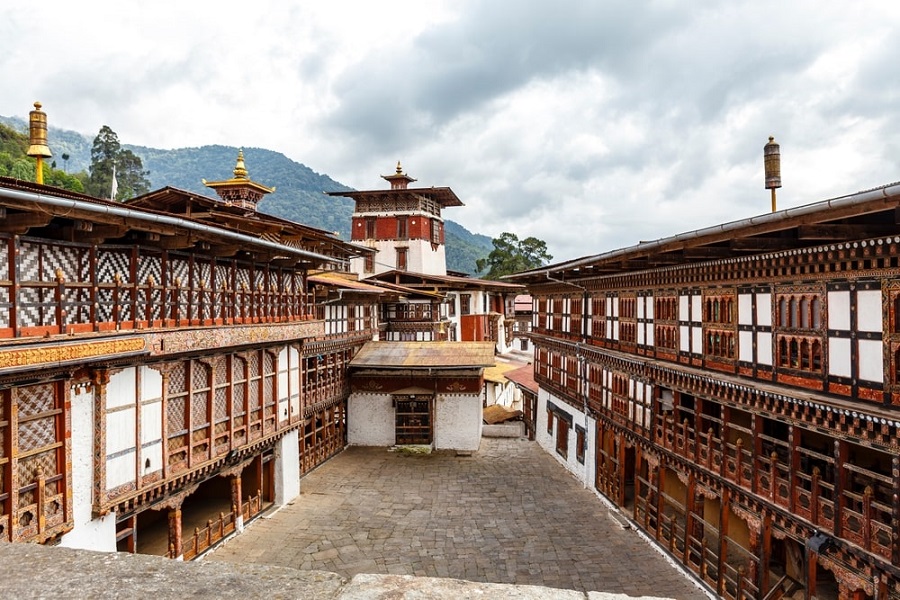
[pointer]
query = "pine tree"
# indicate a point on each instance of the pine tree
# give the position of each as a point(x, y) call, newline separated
point(130, 174)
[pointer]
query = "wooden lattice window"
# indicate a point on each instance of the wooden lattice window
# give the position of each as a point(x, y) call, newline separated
point(799, 311)
point(33, 480)
point(465, 302)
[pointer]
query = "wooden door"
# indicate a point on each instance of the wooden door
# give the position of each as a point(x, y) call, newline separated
point(413, 420)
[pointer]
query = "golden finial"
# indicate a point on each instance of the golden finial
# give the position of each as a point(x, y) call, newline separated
point(399, 168)
point(240, 171)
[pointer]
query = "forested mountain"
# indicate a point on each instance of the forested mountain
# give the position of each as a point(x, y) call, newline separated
point(300, 194)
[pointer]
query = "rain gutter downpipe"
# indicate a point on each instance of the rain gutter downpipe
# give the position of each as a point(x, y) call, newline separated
point(136, 215)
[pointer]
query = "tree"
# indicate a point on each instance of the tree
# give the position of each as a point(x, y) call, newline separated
point(107, 153)
point(510, 255)
point(131, 175)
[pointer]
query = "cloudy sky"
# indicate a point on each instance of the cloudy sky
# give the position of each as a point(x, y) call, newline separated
point(589, 124)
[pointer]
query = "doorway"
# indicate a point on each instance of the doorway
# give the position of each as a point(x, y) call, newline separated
point(413, 419)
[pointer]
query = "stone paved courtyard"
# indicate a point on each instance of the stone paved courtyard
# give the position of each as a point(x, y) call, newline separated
point(508, 514)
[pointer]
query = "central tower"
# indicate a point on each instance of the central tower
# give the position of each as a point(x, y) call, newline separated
point(402, 224)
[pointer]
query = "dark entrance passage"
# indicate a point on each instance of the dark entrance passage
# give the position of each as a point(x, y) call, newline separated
point(413, 420)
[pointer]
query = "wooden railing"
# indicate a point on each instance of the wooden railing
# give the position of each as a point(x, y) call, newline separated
point(865, 517)
point(70, 288)
point(217, 529)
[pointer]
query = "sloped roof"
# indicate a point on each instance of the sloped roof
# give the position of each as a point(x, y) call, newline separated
point(864, 215)
point(524, 378)
point(497, 413)
point(445, 282)
point(425, 355)
point(119, 219)
point(341, 280)
point(442, 195)
point(497, 373)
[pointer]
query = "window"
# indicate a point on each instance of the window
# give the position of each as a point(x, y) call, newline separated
point(370, 228)
point(800, 311)
point(579, 443)
point(523, 345)
point(562, 437)
point(465, 301)
point(451, 305)
point(402, 229)
point(33, 474)
point(435, 231)
point(563, 424)
point(401, 258)
point(369, 263)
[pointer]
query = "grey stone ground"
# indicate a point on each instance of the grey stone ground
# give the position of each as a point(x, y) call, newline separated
point(508, 514)
point(31, 571)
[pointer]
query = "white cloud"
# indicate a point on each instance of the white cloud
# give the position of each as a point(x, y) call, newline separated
point(589, 125)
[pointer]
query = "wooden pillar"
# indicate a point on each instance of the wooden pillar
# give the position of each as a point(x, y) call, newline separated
point(690, 505)
point(756, 453)
point(660, 486)
point(260, 476)
point(175, 535)
point(236, 502)
point(724, 518)
point(765, 553)
point(811, 562)
point(840, 483)
point(895, 510)
point(793, 465)
point(94, 289)
point(12, 250)
point(638, 463)
point(620, 497)
point(723, 463)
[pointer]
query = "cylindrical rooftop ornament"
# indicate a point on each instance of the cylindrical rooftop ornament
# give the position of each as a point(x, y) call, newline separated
point(772, 160)
point(37, 138)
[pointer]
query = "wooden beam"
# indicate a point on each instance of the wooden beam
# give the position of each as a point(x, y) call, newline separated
point(710, 252)
point(104, 232)
point(762, 244)
point(176, 242)
point(223, 250)
point(20, 223)
point(827, 231)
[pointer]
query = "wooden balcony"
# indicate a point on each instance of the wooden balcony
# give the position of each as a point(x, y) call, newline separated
point(863, 518)
point(71, 288)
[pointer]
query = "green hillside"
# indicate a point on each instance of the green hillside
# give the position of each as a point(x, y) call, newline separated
point(299, 196)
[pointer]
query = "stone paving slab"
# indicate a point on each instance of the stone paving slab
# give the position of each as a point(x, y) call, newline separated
point(35, 571)
point(507, 514)
point(31, 571)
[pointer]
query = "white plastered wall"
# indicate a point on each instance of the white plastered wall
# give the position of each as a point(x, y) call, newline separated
point(457, 422)
point(288, 383)
point(287, 468)
point(547, 441)
point(420, 257)
point(370, 420)
point(88, 533)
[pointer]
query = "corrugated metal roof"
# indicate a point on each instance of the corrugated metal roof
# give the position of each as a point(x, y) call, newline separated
point(425, 355)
